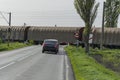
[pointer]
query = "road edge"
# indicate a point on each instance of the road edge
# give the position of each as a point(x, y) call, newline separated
point(69, 73)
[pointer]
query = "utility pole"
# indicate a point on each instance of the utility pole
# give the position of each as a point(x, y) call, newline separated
point(9, 30)
point(10, 19)
point(102, 35)
point(9, 22)
point(25, 24)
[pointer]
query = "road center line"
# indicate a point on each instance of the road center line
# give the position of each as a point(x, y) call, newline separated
point(26, 56)
point(7, 65)
point(13, 62)
point(22, 58)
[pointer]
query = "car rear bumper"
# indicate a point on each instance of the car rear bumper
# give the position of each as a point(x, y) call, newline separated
point(50, 49)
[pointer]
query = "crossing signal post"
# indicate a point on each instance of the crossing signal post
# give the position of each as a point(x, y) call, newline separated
point(76, 35)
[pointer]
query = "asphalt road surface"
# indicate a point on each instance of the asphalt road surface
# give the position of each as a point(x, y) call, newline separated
point(31, 64)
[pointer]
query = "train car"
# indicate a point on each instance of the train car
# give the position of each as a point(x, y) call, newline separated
point(13, 33)
point(17, 33)
point(111, 37)
point(4, 33)
point(63, 34)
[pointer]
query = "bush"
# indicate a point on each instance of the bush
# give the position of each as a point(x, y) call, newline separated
point(31, 41)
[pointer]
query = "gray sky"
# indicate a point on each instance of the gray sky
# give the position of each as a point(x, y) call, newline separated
point(35, 5)
point(17, 6)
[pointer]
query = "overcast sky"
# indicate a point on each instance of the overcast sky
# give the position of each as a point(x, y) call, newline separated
point(42, 5)
point(35, 5)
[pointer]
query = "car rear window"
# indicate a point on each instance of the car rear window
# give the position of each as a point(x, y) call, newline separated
point(50, 42)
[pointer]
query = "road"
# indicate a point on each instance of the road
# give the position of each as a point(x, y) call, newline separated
point(31, 64)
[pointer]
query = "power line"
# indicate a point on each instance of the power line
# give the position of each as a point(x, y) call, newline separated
point(4, 17)
point(9, 20)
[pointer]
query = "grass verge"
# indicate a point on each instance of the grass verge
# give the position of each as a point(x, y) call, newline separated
point(108, 57)
point(14, 45)
point(87, 68)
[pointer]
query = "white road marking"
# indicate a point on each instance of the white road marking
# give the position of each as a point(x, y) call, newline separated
point(7, 65)
point(61, 68)
point(20, 59)
point(26, 56)
point(13, 62)
point(67, 67)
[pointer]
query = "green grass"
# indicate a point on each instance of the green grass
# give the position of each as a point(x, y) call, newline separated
point(14, 45)
point(109, 56)
point(86, 68)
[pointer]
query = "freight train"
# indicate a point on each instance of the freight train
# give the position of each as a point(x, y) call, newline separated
point(63, 34)
point(37, 34)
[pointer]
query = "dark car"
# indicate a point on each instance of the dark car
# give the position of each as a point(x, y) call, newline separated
point(50, 45)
